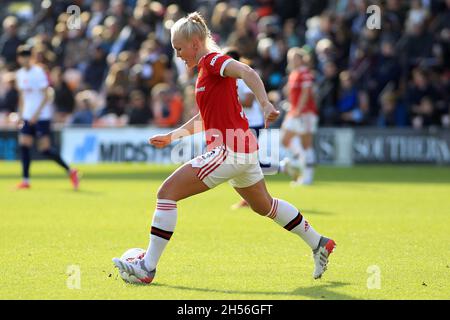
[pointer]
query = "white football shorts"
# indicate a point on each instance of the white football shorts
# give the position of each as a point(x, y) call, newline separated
point(222, 164)
point(306, 123)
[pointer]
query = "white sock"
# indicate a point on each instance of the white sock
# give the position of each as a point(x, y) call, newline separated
point(308, 171)
point(295, 147)
point(163, 225)
point(287, 216)
point(310, 157)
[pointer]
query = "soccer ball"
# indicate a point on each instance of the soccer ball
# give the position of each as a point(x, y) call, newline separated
point(130, 255)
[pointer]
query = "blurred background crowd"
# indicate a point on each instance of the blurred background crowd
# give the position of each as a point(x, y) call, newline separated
point(119, 68)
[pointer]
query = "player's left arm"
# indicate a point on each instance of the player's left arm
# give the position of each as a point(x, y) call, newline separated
point(236, 69)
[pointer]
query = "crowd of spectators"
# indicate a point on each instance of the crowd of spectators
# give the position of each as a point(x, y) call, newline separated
point(115, 66)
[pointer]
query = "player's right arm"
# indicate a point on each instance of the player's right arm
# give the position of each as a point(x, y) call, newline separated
point(191, 127)
point(20, 109)
point(304, 96)
point(46, 92)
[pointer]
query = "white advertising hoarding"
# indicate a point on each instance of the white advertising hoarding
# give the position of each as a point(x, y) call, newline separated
point(88, 145)
point(91, 145)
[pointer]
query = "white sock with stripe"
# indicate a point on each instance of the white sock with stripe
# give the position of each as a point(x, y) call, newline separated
point(163, 225)
point(295, 147)
point(308, 165)
point(287, 216)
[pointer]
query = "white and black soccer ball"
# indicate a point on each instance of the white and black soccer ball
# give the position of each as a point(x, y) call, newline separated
point(130, 255)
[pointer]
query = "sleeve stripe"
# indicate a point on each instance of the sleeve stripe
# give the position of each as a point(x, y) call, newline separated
point(224, 64)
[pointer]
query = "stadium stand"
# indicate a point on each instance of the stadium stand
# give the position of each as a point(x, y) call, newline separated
point(117, 68)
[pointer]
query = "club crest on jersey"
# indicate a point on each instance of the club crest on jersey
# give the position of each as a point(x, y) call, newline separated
point(213, 60)
point(200, 89)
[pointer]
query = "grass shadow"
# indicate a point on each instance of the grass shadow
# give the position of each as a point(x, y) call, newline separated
point(145, 176)
point(377, 174)
point(324, 174)
point(319, 212)
point(322, 291)
point(84, 192)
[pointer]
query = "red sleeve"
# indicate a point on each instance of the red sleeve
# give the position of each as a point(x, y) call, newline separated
point(215, 63)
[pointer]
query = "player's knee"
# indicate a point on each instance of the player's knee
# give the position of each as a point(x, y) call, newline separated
point(25, 145)
point(25, 142)
point(162, 192)
point(165, 192)
point(43, 146)
point(262, 207)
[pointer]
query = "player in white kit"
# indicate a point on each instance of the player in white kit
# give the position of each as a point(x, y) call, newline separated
point(35, 114)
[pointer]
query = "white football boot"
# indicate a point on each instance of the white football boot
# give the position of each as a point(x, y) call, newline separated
point(134, 271)
point(321, 254)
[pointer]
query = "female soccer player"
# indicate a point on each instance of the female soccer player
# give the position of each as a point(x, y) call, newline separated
point(252, 111)
point(301, 120)
point(35, 115)
point(232, 156)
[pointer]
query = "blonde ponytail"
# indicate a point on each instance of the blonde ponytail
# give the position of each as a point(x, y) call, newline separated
point(194, 25)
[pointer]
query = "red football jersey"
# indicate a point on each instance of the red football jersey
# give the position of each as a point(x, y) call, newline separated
point(300, 79)
point(217, 98)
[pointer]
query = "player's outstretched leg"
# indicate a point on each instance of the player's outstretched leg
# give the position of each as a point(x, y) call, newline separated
point(25, 141)
point(290, 218)
point(50, 153)
point(182, 184)
point(163, 226)
point(74, 175)
point(26, 160)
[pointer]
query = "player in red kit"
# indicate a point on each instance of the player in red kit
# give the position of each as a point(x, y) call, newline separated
point(232, 151)
point(301, 120)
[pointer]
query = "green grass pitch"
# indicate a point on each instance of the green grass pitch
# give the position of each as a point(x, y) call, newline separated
point(394, 218)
